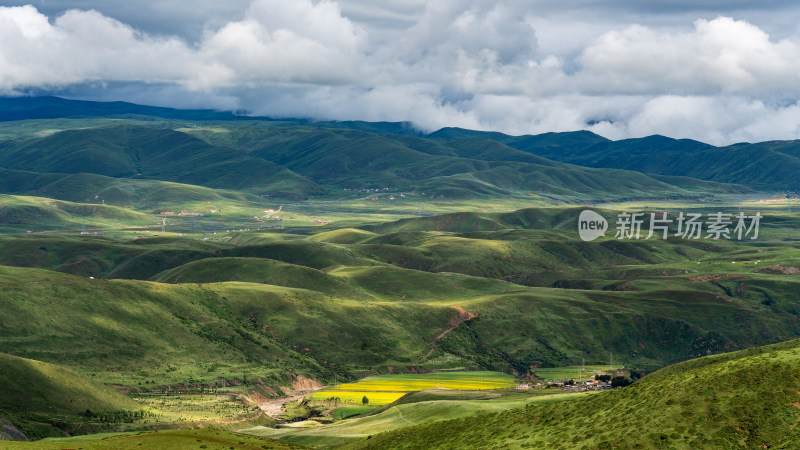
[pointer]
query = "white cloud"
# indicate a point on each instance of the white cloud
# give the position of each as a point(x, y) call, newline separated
point(82, 46)
point(284, 42)
point(446, 63)
point(721, 55)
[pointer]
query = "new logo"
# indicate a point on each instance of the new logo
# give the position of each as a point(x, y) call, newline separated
point(591, 225)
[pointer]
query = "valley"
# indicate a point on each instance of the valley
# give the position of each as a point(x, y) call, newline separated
point(185, 276)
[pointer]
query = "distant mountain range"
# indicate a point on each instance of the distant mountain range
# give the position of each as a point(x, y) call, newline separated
point(297, 158)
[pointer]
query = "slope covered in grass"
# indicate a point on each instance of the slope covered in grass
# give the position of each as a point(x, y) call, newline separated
point(28, 386)
point(744, 399)
point(259, 270)
point(42, 214)
point(135, 151)
point(168, 439)
point(422, 407)
point(141, 333)
point(130, 193)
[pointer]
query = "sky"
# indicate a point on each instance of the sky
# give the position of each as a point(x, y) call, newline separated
point(717, 71)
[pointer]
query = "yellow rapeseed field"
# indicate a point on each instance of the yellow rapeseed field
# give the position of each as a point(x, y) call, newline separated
point(385, 389)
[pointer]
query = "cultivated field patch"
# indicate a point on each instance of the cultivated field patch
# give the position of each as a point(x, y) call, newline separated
point(384, 389)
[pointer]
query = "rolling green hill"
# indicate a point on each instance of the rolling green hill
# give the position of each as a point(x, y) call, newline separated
point(45, 399)
point(654, 301)
point(295, 159)
point(746, 399)
point(298, 159)
point(170, 439)
point(766, 165)
point(259, 270)
point(144, 152)
point(28, 386)
point(22, 213)
point(129, 193)
point(135, 333)
point(755, 165)
point(384, 250)
point(358, 159)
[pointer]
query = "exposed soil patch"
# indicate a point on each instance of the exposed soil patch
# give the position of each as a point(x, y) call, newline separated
point(462, 315)
point(301, 383)
point(779, 270)
point(712, 277)
point(274, 406)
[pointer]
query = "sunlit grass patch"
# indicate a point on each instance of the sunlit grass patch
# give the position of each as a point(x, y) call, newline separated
point(194, 408)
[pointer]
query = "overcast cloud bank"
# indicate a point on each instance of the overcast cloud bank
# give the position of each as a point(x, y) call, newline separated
point(448, 63)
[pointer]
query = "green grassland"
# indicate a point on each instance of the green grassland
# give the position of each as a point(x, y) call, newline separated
point(256, 306)
point(35, 386)
point(621, 296)
point(743, 399)
point(338, 251)
point(421, 407)
point(18, 213)
point(174, 439)
point(194, 409)
point(43, 399)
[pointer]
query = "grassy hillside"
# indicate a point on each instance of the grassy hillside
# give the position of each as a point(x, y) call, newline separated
point(542, 297)
point(422, 407)
point(144, 152)
point(744, 399)
point(761, 166)
point(259, 270)
point(138, 333)
point(172, 439)
point(375, 316)
point(44, 399)
point(28, 386)
point(287, 153)
point(342, 250)
point(129, 193)
point(26, 213)
point(459, 169)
